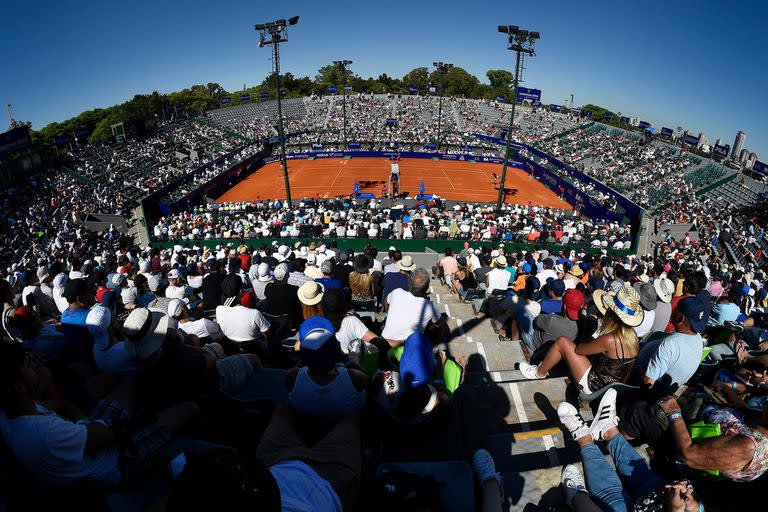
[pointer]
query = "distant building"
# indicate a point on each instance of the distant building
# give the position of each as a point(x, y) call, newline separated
point(738, 145)
point(743, 155)
point(703, 141)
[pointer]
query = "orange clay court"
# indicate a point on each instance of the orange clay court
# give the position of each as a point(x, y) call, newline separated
point(452, 180)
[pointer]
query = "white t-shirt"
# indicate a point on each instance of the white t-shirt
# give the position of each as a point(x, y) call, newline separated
point(239, 323)
point(202, 328)
point(178, 292)
point(544, 275)
point(54, 449)
point(352, 328)
point(407, 314)
point(645, 327)
point(498, 279)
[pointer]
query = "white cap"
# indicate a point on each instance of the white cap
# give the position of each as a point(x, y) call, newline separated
point(176, 308)
point(174, 274)
point(280, 271)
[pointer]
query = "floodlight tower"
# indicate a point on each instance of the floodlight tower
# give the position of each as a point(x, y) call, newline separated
point(521, 42)
point(444, 67)
point(274, 33)
point(343, 65)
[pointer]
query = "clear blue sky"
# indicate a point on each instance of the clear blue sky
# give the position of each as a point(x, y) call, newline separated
point(696, 64)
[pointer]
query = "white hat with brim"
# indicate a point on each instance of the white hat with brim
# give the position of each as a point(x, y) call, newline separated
point(145, 332)
point(313, 272)
point(310, 293)
point(407, 264)
point(664, 289)
point(625, 303)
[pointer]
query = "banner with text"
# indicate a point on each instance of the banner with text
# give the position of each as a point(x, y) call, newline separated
point(14, 140)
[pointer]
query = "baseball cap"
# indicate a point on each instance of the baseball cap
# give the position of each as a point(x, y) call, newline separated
point(174, 274)
point(557, 286)
point(281, 271)
point(119, 279)
point(693, 310)
point(573, 301)
point(319, 348)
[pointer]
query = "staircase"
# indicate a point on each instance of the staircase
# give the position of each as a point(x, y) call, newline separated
point(498, 409)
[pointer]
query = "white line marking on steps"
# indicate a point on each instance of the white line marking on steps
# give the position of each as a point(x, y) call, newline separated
point(549, 446)
point(496, 376)
point(517, 399)
point(481, 351)
point(447, 311)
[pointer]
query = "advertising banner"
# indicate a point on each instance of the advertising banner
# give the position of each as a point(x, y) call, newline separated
point(14, 140)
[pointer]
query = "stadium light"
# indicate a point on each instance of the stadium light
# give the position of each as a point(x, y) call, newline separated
point(521, 42)
point(343, 65)
point(274, 33)
point(441, 66)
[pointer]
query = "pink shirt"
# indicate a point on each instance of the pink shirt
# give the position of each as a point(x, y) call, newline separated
point(449, 265)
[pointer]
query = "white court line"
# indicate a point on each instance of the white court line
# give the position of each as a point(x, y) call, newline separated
point(549, 447)
point(517, 399)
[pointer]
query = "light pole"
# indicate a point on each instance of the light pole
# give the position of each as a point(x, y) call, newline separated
point(343, 65)
point(274, 33)
point(521, 42)
point(443, 67)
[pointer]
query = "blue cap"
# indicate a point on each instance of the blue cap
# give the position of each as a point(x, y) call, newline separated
point(320, 350)
point(526, 268)
point(693, 310)
point(416, 363)
point(557, 286)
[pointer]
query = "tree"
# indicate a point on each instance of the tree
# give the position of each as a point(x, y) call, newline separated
point(332, 74)
point(418, 77)
point(455, 81)
point(500, 78)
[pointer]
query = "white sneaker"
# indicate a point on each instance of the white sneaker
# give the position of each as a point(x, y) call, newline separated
point(572, 420)
point(572, 482)
point(485, 468)
point(529, 371)
point(606, 416)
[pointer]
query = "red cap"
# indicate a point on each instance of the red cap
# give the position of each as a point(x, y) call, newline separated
point(24, 312)
point(249, 300)
point(573, 301)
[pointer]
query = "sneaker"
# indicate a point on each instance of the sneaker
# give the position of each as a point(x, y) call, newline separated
point(572, 482)
point(529, 371)
point(734, 326)
point(606, 415)
point(485, 468)
point(572, 420)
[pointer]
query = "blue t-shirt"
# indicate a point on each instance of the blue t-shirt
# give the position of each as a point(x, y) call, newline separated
point(722, 313)
point(551, 306)
point(671, 360)
point(328, 283)
point(393, 281)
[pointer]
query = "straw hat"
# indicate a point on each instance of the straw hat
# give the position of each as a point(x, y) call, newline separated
point(625, 303)
point(665, 288)
point(406, 264)
point(310, 293)
point(313, 272)
point(501, 262)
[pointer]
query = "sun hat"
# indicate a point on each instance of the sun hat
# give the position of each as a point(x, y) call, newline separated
point(310, 293)
point(648, 298)
point(176, 308)
point(407, 264)
point(501, 262)
point(313, 272)
point(573, 300)
point(576, 271)
point(361, 264)
point(625, 303)
point(319, 349)
point(664, 289)
point(145, 332)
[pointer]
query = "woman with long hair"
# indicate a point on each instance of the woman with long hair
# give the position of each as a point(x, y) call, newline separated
point(360, 282)
point(608, 358)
